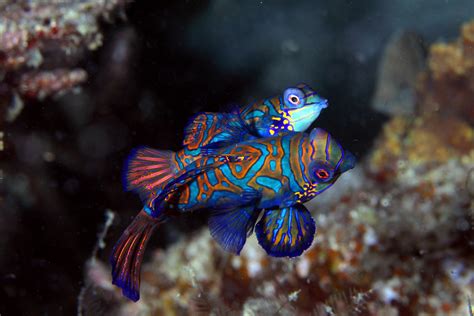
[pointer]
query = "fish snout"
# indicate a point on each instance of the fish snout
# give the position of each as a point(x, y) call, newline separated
point(348, 162)
point(323, 103)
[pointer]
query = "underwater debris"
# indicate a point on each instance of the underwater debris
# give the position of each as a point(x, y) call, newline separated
point(346, 302)
point(258, 306)
point(469, 306)
point(42, 43)
point(15, 107)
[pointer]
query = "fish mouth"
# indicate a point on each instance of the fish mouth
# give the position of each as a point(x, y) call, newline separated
point(303, 117)
point(299, 118)
point(308, 111)
point(322, 103)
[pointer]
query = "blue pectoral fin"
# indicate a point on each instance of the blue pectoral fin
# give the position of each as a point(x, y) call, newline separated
point(249, 196)
point(231, 228)
point(286, 232)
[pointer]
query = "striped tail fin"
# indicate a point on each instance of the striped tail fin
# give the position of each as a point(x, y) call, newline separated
point(146, 170)
point(127, 255)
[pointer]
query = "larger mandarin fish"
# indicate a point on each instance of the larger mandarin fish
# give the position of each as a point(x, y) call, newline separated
point(295, 109)
point(273, 175)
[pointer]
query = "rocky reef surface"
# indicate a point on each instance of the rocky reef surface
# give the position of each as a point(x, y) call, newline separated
point(42, 46)
point(395, 236)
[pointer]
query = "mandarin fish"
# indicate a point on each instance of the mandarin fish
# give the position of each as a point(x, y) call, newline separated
point(293, 110)
point(233, 186)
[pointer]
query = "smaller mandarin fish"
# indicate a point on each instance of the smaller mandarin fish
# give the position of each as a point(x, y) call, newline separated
point(148, 170)
point(293, 110)
point(233, 186)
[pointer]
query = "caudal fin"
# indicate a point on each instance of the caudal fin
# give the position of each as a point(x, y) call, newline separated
point(127, 255)
point(147, 170)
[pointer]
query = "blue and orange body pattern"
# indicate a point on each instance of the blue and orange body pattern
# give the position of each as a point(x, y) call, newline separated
point(268, 178)
point(295, 109)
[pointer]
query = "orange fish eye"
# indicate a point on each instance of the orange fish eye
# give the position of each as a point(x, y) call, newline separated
point(322, 174)
point(294, 99)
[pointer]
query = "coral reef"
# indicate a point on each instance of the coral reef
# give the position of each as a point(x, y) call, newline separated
point(447, 86)
point(42, 44)
point(419, 141)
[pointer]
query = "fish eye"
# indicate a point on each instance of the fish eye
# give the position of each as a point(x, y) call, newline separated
point(322, 174)
point(294, 99)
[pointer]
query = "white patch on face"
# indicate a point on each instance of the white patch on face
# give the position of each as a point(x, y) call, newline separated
point(303, 117)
